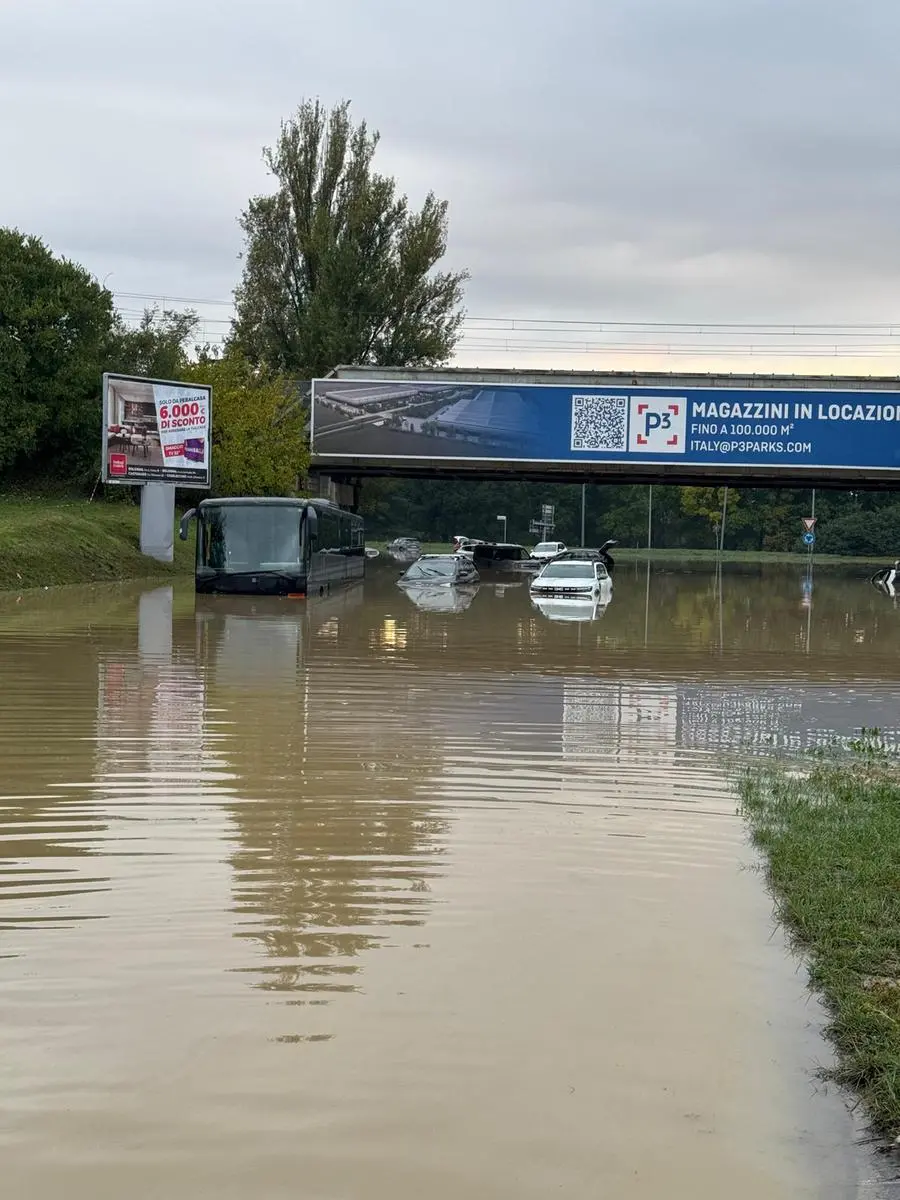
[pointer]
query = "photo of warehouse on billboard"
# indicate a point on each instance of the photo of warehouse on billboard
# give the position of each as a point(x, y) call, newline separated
point(156, 431)
point(445, 420)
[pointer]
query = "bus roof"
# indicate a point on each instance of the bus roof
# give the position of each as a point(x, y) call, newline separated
point(281, 501)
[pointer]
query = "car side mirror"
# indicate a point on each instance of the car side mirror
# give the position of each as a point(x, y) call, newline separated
point(185, 522)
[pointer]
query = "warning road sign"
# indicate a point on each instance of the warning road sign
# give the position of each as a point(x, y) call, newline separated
point(809, 524)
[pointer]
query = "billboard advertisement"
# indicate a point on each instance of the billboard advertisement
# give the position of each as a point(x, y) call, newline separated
point(574, 424)
point(155, 431)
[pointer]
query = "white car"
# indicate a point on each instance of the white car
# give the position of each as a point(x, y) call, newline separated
point(573, 577)
point(548, 550)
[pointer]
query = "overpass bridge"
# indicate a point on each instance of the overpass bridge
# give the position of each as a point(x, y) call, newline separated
point(604, 427)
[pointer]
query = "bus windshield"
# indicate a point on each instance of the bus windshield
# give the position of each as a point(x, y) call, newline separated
point(258, 537)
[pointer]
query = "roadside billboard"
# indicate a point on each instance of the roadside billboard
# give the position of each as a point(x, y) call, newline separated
point(703, 427)
point(156, 431)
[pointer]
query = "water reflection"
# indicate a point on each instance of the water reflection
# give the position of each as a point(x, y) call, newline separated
point(441, 599)
point(336, 839)
point(563, 608)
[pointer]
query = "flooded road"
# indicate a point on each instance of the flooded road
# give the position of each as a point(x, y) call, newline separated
point(376, 899)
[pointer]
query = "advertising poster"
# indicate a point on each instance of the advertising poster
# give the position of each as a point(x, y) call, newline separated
point(688, 426)
point(156, 432)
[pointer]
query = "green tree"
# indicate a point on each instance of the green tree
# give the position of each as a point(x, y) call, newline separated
point(337, 267)
point(157, 347)
point(259, 445)
point(707, 502)
point(56, 326)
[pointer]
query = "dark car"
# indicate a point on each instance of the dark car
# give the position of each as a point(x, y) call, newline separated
point(441, 570)
point(601, 553)
point(502, 554)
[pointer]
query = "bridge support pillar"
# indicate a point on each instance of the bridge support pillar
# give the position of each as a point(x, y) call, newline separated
point(345, 492)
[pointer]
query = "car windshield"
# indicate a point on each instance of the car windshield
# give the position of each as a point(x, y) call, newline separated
point(432, 568)
point(501, 553)
point(569, 570)
point(546, 547)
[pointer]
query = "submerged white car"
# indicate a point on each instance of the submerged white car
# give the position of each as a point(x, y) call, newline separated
point(548, 550)
point(572, 577)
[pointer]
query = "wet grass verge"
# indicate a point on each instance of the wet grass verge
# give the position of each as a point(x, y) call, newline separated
point(49, 542)
point(830, 833)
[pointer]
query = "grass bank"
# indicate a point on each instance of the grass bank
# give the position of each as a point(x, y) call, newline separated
point(801, 558)
point(47, 542)
point(831, 839)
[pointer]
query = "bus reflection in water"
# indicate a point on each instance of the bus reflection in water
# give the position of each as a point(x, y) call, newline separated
point(275, 546)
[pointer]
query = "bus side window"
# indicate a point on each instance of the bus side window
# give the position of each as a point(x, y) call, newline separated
point(346, 532)
point(329, 532)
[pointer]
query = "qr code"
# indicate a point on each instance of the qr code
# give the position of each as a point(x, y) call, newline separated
point(599, 422)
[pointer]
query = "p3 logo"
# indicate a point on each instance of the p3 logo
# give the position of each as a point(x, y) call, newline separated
point(658, 424)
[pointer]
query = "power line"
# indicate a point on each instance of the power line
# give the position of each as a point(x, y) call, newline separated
point(588, 337)
point(538, 324)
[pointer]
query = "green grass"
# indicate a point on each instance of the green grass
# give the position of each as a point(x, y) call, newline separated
point(48, 542)
point(744, 556)
point(831, 839)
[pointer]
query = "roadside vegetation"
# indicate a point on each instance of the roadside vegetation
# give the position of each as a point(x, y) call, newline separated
point(830, 834)
point(45, 542)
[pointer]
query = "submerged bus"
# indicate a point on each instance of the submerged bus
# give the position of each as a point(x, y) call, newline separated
point(275, 547)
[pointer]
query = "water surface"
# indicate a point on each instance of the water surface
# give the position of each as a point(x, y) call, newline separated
point(375, 898)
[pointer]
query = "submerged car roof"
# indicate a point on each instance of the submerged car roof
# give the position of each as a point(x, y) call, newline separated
point(583, 560)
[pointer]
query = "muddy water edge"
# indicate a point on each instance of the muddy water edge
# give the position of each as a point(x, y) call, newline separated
point(389, 896)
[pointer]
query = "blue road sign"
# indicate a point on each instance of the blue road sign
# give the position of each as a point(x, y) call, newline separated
point(809, 539)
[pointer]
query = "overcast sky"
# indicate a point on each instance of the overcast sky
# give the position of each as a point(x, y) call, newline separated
point(630, 160)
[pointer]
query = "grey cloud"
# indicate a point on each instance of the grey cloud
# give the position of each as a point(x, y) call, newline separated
point(664, 159)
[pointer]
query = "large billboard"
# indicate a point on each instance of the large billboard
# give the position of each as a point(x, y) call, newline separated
point(155, 431)
point(704, 427)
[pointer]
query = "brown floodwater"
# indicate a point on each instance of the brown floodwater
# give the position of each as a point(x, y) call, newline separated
point(400, 896)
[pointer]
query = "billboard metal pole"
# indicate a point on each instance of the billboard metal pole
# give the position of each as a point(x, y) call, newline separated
point(158, 521)
point(582, 514)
